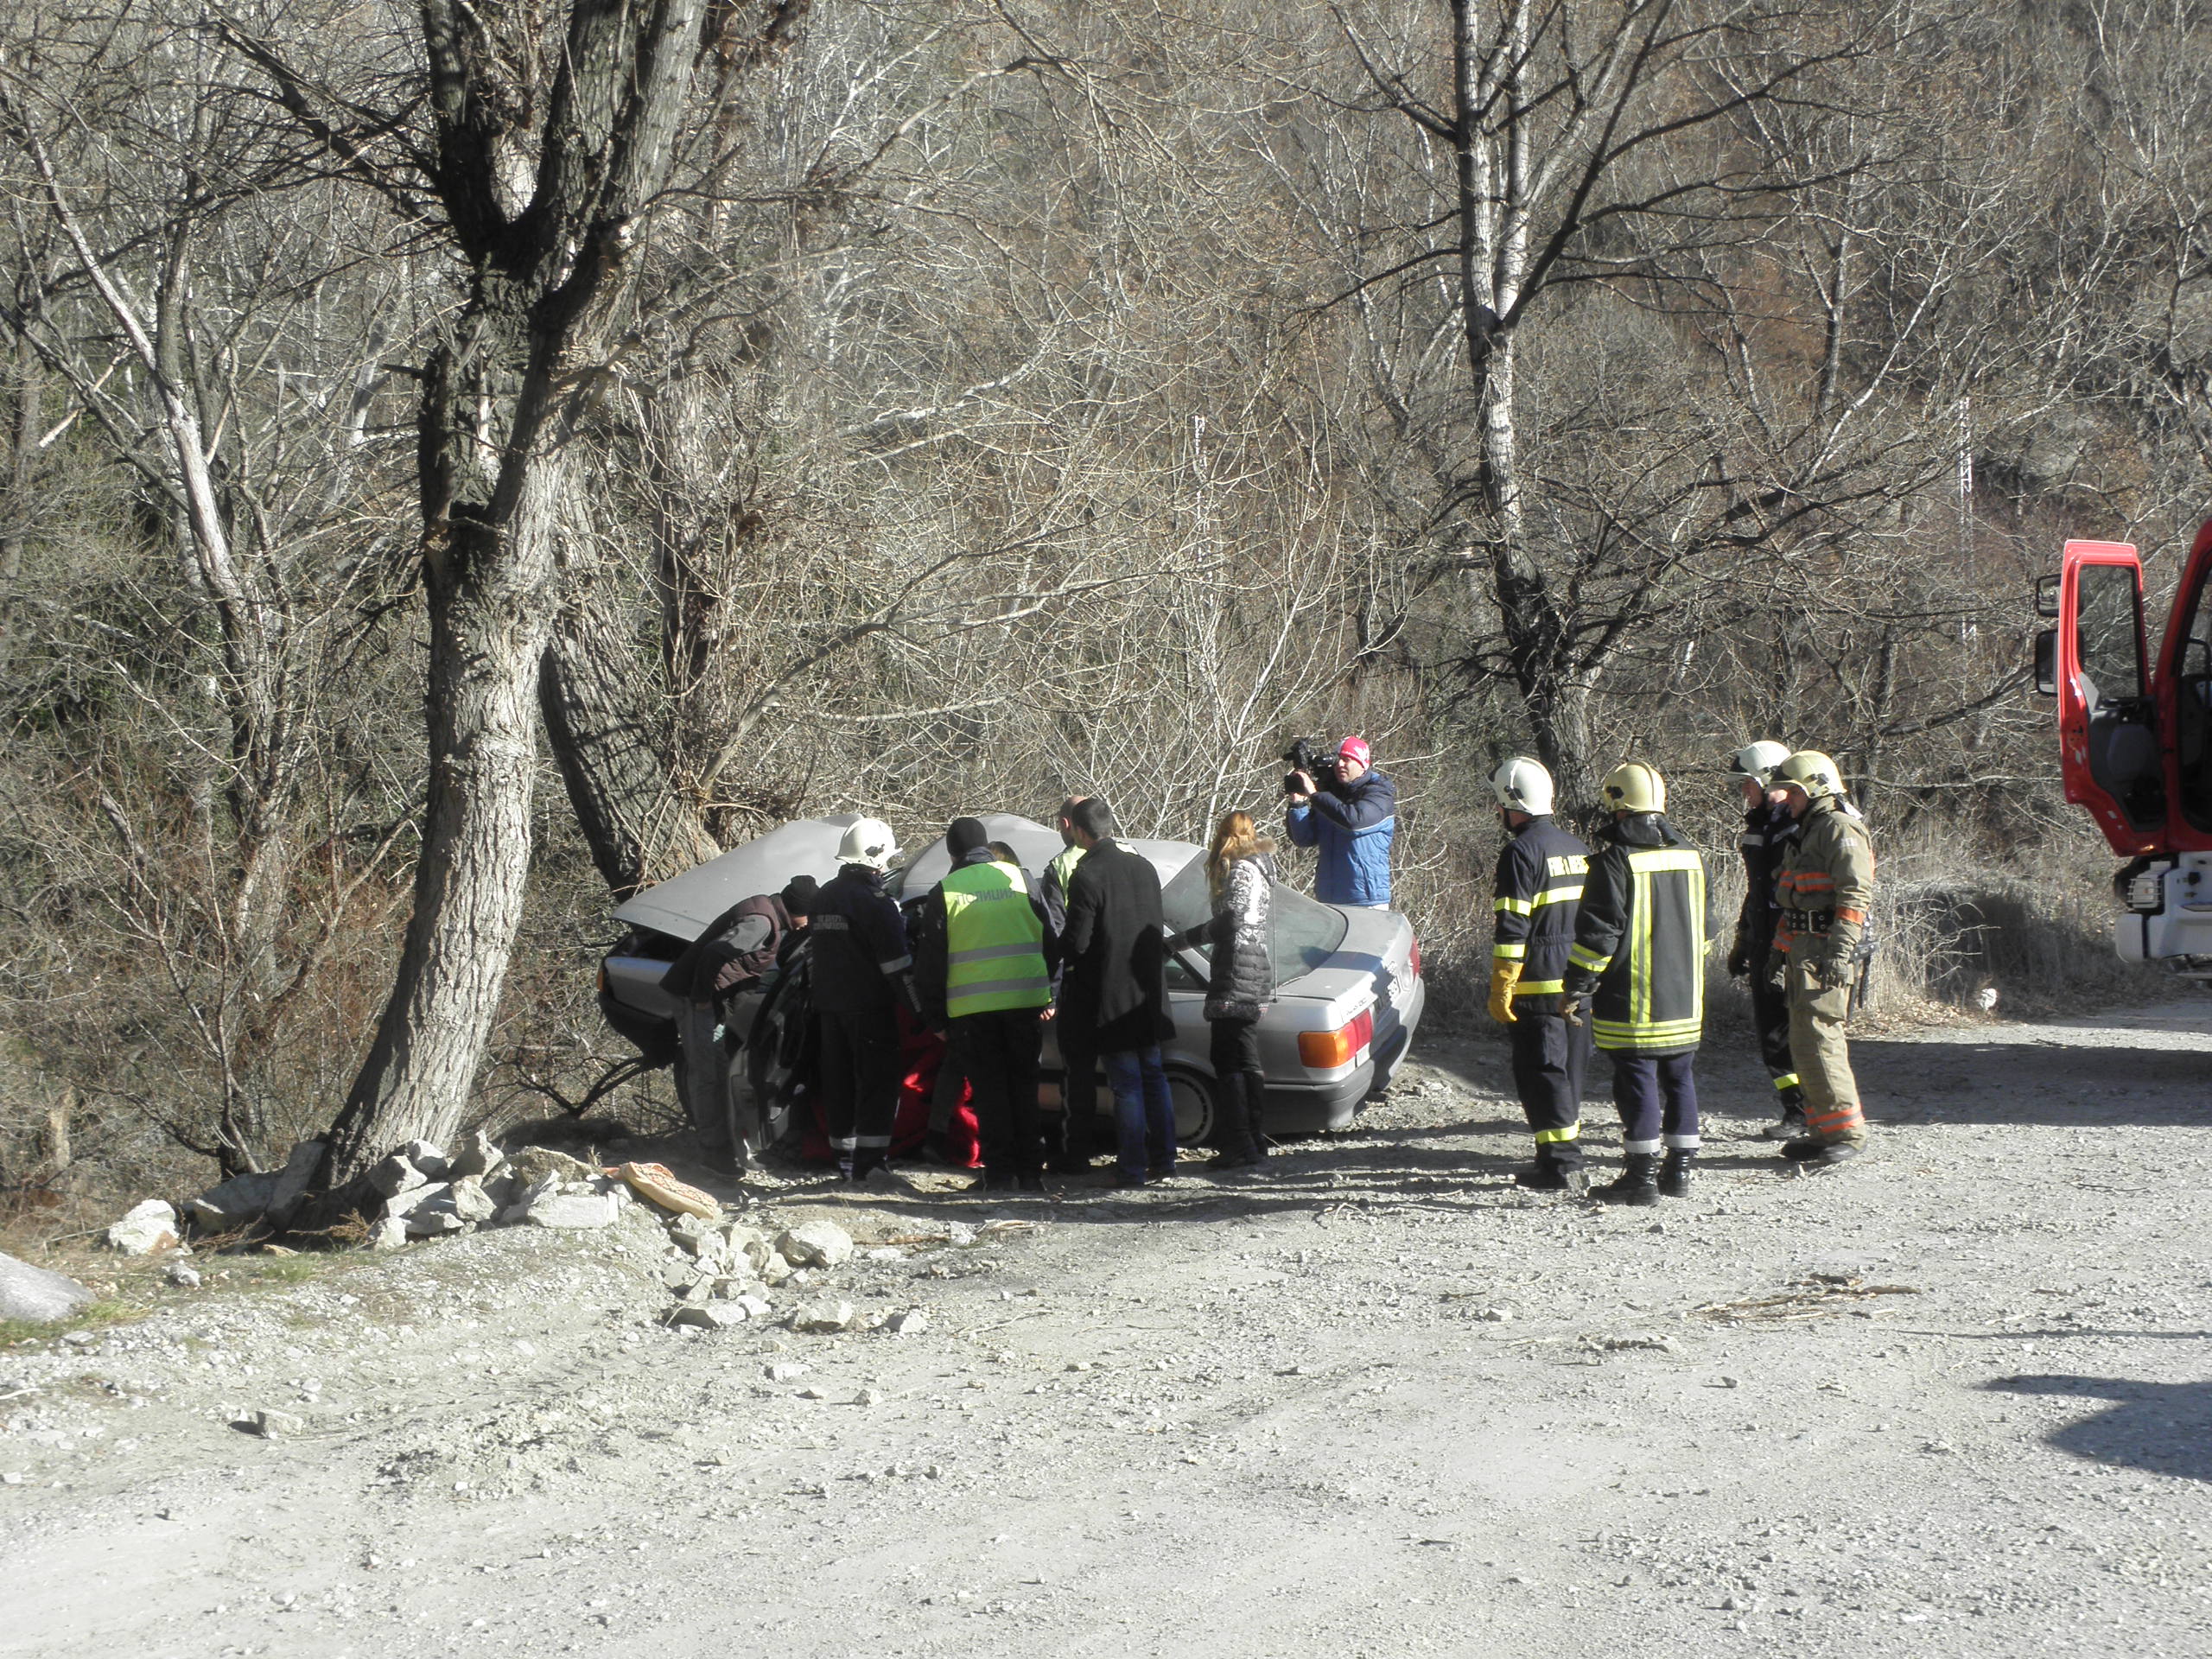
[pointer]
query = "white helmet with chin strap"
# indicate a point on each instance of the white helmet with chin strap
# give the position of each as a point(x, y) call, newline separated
point(1756, 761)
point(1523, 785)
point(868, 841)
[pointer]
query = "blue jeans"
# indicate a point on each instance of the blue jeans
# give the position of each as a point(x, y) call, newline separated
point(1144, 1112)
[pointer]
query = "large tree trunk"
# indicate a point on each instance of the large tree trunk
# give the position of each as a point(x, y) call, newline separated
point(499, 408)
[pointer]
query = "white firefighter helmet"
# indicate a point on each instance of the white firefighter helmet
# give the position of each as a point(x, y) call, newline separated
point(1812, 772)
point(1756, 761)
point(868, 841)
point(1633, 787)
point(1523, 785)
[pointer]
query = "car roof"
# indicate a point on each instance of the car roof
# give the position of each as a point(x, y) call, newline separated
point(683, 906)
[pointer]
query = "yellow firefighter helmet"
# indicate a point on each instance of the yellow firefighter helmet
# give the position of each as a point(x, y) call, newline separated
point(1633, 787)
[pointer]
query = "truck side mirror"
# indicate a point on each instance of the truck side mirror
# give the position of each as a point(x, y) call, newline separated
point(2047, 596)
point(2047, 662)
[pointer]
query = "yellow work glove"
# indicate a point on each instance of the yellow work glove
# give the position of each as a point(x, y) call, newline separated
point(1503, 977)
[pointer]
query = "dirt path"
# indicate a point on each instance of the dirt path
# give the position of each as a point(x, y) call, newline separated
point(1952, 1400)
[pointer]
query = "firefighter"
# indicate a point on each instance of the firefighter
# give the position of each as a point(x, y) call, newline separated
point(1539, 872)
point(1768, 830)
point(862, 975)
point(1638, 958)
point(1825, 890)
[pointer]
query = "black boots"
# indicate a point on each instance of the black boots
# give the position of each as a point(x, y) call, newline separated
point(1674, 1174)
point(1548, 1174)
point(1637, 1184)
point(1791, 1124)
point(1255, 1109)
point(1816, 1154)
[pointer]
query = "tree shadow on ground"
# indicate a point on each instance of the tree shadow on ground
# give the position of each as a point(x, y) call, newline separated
point(2163, 1428)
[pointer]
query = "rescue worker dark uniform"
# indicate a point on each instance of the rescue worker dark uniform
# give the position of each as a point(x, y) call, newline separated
point(1639, 958)
point(1825, 890)
point(1540, 872)
point(980, 965)
point(862, 974)
point(1767, 831)
point(1079, 1126)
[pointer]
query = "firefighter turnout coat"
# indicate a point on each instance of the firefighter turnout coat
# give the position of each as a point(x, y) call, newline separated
point(1640, 939)
point(1540, 875)
point(1824, 892)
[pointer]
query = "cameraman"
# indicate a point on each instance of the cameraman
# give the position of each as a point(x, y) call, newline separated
point(1352, 819)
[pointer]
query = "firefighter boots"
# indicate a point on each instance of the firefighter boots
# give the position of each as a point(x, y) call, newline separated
point(1790, 1126)
point(1816, 1154)
point(1674, 1174)
point(1548, 1174)
point(1638, 1183)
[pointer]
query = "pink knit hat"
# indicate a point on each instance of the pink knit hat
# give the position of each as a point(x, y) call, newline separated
point(1353, 748)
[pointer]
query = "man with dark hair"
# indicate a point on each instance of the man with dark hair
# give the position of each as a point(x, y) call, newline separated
point(1114, 992)
point(981, 966)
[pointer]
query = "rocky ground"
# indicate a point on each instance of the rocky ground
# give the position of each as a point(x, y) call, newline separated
point(1371, 1399)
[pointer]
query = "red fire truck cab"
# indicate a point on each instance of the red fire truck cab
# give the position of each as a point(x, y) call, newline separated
point(2135, 739)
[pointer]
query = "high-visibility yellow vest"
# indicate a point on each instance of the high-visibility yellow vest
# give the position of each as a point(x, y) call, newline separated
point(994, 942)
point(1070, 856)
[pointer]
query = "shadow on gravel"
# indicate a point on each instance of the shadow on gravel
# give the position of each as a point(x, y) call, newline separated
point(2056, 1082)
point(2165, 1428)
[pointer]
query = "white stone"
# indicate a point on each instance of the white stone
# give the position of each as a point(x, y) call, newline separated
point(391, 1176)
point(36, 1294)
point(907, 1322)
point(470, 1202)
point(476, 1156)
point(183, 1277)
point(831, 1314)
point(756, 1308)
point(815, 1244)
point(786, 1370)
point(237, 1202)
point(276, 1425)
point(415, 1199)
point(433, 1221)
point(711, 1316)
point(573, 1211)
point(430, 1159)
point(150, 1227)
point(694, 1233)
point(386, 1233)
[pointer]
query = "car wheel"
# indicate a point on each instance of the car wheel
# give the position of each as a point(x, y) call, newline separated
point(1196, 1117)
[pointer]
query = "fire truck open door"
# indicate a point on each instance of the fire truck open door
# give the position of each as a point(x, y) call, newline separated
point(2096, 662)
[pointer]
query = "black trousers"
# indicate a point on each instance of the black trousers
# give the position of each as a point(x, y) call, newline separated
point(1771, 1018)
point(860, 1085)
point(1234, 1047)
point(1078, 1105)
point(1656, 1095)
point(1550, 1058)
point(998, 1052)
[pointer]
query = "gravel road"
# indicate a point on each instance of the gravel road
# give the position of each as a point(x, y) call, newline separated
point(1372, 1401)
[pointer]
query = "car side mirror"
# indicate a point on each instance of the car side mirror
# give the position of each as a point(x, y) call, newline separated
point(2047, 597)
point(2047, 662)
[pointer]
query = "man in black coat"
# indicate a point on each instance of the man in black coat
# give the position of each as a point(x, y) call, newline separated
point(1113, 990)
point(862, 974)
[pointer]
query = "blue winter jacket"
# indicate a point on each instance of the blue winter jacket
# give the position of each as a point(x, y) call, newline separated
point(1354, 831)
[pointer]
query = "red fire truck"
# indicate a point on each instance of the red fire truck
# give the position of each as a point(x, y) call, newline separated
point(2135, 737)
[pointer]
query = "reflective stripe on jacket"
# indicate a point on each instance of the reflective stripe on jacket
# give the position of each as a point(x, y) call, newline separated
point(1540, 875)
point(995, 941)
point(1640, 939)
point(1826, 887)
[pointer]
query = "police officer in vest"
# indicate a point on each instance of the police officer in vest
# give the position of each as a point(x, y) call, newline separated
point(1539, 874)
point(1825, 889)
point(982, 959)
point(1768, 830)
point(1639, 958)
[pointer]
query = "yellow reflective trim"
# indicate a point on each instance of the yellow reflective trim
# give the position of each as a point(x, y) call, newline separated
point(1559, 895)
point(1787, 1080)
point(1539, 987)
point(1666, 858)
point(1503, 952)
point(1582, 958)
point(1553, 1137)
point(1514, 907)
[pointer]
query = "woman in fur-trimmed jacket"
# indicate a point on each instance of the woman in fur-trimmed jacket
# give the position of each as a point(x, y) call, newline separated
point(1240, 880)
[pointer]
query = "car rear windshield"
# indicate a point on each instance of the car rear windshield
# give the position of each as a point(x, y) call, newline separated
point(1307, 934)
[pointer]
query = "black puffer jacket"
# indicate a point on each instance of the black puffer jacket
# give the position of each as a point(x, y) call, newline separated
point(1241, 934)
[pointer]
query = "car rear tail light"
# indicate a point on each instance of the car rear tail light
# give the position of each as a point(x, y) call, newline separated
point(1415, 966)
point(602, 978)
point(1325, 1051)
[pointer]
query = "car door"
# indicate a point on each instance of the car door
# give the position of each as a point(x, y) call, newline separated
point(2110, 752)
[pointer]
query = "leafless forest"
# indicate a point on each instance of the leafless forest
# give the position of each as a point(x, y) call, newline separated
point(462, 460)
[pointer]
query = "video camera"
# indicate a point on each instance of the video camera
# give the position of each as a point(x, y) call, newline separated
point(1316, 760)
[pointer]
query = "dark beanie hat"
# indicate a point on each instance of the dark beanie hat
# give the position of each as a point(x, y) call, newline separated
point(799, 894)
point(966, 835)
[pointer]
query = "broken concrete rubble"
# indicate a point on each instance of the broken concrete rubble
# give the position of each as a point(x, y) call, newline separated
point(150, 1227)
point(478, 1156)
point(815, 1244)
point(386, 1233)
point(573, 1211)
point(823, 1318)
point(395, 1175)
point(232, 1205)
point(430, 1159)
